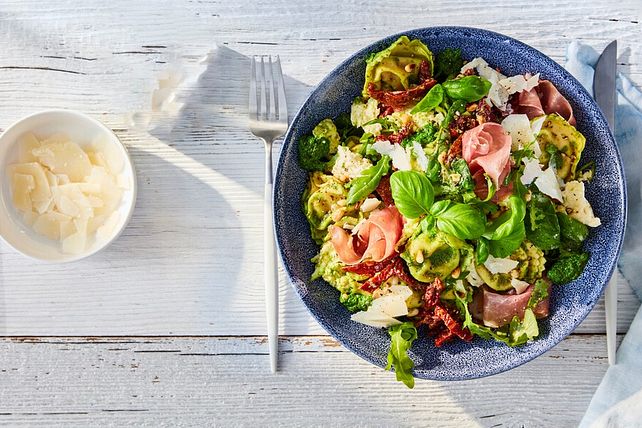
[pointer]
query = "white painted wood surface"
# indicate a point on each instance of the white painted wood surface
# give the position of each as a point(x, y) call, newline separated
point(190, 263)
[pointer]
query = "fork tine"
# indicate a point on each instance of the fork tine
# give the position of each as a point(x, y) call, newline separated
point(282, 103)
point(262, 113)
point(252, 108)
point(272, 113)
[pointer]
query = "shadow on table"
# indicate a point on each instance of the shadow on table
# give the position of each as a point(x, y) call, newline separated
point(211, 128)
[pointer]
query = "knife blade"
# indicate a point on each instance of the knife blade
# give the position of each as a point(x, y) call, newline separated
point(605, 96)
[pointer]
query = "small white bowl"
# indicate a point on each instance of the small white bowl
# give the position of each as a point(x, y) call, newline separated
point(82, 130)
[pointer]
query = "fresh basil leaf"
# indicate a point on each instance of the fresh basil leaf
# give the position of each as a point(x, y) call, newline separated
point(468, 88)
point(427, 224)
point(481, 251)
point(432, 99)
point(402, 336)
point(539, 293)
point(362, 186)
point(542, 226)
point(412, 192)
point(463, 221)
point(439, 207)
point(506, 223)
point(505, 246)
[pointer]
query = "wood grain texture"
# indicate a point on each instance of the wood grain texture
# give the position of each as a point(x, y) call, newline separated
point(226, 381)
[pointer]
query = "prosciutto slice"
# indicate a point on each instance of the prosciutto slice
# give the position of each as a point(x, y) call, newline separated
point(374, 240)
point(486, 148)
point(543, 99)
point(497, 310)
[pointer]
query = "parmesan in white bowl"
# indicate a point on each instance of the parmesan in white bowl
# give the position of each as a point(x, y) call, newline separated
point(67, 186)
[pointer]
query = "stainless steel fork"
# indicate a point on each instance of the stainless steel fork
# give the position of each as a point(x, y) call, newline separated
point(268, 121)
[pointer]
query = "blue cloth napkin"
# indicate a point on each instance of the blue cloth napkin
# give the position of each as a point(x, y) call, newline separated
point(618, 400)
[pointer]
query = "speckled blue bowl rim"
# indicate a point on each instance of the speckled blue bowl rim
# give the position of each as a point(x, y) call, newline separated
point(458, 360)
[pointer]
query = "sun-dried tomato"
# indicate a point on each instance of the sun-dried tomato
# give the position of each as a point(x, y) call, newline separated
point(431, 295)
point(380, 277)
point(455, 150)
point(397, 137)
point(444, 336)
point(399, 100)
point(462, 124)
point(452, 324)
point(369, 268)
point(486, 112)
point(384, 192)
point(385, 110)
point(424, 71)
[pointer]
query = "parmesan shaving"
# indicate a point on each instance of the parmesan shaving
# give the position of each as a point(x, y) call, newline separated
point(65, 193)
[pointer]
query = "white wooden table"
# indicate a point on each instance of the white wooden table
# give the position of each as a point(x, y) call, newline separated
point(167, 325)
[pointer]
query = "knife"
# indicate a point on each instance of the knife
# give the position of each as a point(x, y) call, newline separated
point(604, 93)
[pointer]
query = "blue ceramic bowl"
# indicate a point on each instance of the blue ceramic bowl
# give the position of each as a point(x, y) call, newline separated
point(569, 303)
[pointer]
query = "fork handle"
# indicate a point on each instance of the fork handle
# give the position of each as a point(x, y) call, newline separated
point(610, 303)
point(270, 265)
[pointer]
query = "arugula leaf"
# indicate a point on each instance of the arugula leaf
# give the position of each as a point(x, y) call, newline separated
point(362, 186)
point(457, 106)
point(540, 292)
point(463, 221)
point(402, 336)
point(542, 226)
point(555, 160)
point(448, 63)
point(468, 88)
point(515, 334)
point(387, 125)
point(313, 151)
point(568, 268)
point(412, 192)
point(521, 331)
point(432, 99)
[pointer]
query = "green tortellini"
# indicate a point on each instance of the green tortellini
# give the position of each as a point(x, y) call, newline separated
point(321, 200)
point(397, 67)
point(432, 254)
point(568, 140)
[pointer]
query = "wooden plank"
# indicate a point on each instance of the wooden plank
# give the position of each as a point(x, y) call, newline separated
point(226, 381)
point(199, 171)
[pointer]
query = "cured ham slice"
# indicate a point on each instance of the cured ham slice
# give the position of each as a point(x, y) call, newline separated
point(543, 99)
point(497, 310)
point(486, 149)
point(375, 240)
